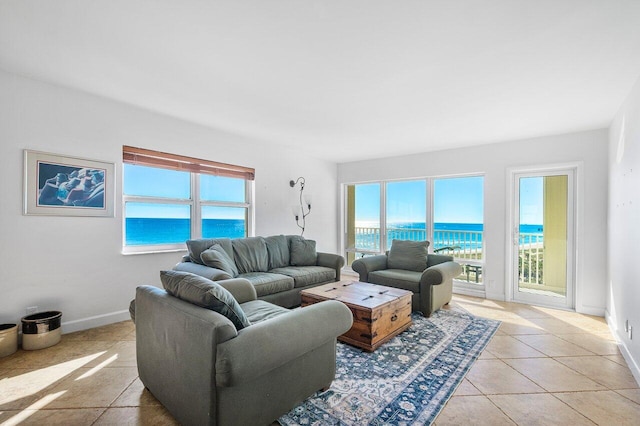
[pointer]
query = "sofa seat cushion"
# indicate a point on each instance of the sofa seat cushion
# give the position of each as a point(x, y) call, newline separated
point(259, 310)
point(397, 278)
point(307, 275)
point(267, 283)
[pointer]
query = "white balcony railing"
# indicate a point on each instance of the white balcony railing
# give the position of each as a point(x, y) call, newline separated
point(462, 245)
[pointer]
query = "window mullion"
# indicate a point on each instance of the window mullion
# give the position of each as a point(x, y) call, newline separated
point(196, 208)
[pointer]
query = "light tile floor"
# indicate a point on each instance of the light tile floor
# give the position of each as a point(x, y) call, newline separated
point(543, 367)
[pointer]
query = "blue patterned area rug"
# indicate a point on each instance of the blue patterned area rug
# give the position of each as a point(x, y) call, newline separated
point(406, 381)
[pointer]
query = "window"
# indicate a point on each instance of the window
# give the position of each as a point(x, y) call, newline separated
point(406, 203)
point(451, 219)
point(458, 223)
point(169, 199)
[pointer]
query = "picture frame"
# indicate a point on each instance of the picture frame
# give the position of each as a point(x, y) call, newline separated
point(61, 185)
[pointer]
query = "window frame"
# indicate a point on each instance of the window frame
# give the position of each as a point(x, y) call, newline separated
point(194, 202)
point(429, 220)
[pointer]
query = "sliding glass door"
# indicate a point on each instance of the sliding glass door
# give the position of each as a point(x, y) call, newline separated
point(447, 212)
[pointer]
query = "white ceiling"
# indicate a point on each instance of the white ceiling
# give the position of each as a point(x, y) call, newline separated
point(343, 80)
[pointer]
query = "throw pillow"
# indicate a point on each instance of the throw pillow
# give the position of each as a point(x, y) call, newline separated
point(278, 250)
point(216, 257)
point(303, 252)
point(196, 247)
point(204, 293)
point(408, 255)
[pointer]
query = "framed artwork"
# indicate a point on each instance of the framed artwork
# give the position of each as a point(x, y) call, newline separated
point(67, 186)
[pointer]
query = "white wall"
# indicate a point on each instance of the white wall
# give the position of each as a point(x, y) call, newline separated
point(589, 149)
point(74, 264)
point(623, 297)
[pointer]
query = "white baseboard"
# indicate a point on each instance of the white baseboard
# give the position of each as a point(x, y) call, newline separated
point(631, 363)
point(96, 321)
point(590, 310)
point(469, 291)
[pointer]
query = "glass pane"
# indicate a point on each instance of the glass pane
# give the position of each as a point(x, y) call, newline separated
point(218, 222)
point(155, 182)
point(458, 223)
point(218, 188)
point(151, 223)
point(362, 220)
point(406, 211)
point(542, 240)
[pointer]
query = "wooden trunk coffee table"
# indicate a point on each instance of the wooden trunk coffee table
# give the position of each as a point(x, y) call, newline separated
point(379, 313)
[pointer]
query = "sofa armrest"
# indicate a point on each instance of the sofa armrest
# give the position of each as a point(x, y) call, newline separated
point(369, 264)
point(204, 271)
point(330, 260)
point(240, 288)
point(440, 273)
point(175, 352)
point(265, 346)
point(434, 259)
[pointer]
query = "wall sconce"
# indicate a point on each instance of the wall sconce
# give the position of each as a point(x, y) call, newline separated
point(305, 200)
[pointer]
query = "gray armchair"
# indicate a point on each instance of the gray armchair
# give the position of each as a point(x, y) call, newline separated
point(432, 286)
point(206, 372)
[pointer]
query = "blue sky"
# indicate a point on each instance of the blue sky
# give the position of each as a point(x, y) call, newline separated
point(456, 200)
point(155, 182)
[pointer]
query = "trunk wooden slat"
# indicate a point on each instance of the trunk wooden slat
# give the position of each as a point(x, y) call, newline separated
point(379, 313)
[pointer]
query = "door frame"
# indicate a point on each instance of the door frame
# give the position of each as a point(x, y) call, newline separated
point(574, 256)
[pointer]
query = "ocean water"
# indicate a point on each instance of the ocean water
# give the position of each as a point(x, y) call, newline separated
point(143, 231)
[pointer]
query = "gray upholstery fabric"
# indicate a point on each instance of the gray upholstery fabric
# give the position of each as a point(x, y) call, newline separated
point(241, 290)
point(250, 254)
point(278, 250)
point(204, 293)
point(186, 360)
point(306, 275)
point(216, 257)
point(259, 310)
point(214, 274)
point(431, 287)
point(398, 278)
point(266, 284)
point(238, 361)
point(409, 255)
point(303, 252)
point(132, 310)
point(196, 247)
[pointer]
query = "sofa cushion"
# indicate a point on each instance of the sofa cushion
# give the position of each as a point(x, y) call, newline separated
point(196, 247)
point(303, 252)
point(307, 275)
point(278, 250)
point(250, 254)
point(217, 257)
point(397, 278)
point(266, 283)
point(259, 310)
point(204, 293)
point(409, 255)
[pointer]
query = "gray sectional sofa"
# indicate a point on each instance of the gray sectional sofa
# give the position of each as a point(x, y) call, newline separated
point(279, 267)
